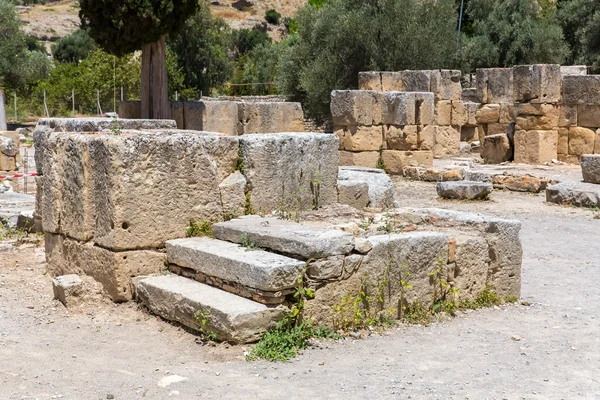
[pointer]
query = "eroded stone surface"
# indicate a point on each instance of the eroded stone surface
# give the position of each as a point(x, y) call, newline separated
point(382, 193)
point(464, 190)
point(590, 167)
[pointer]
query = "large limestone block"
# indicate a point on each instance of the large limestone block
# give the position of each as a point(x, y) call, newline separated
point(536, 147)
point(424, 108)
point(581, 141)
point(588, 115)
point(176, 113)
point(573, 70)
point(367, 159)
point(353, 193)
point(354, 107)
point(268, 117)
point(443, 112)
point(508, 113)
point(597, 142)
point(113, 270)
point(115, 126)
point(382, 193)
point(286, 169)
point(361, 138)
point(582, 89)
point(405, 138)
point(446, 85)
point(464, 113)
point(464, 190)
point(537, 116)
point(446, 140)
point(139, 189)
point(405, 256)
point(369, 81)
point(495, 129)
point(539, 83)
point(567, 116)
point(590, 167)
point(7, 163)
point(416, 80)
point(392, 82)
point(229, 317)
point(471, 266)
point(231, 262)
point(495, 85)
point(233, 193)
point(563, 141)
point(395, 161)
point(496, 149)
point(286, 237)
point(211, 116)
point(488, 114)
point(397, 108)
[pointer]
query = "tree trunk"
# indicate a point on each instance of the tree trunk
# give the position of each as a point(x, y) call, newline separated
point(154, 95)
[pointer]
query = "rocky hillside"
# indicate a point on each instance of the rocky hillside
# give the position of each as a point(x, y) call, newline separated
point(55, 20)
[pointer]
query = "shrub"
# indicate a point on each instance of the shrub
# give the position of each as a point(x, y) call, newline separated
point(73, 48)
point(272, 16)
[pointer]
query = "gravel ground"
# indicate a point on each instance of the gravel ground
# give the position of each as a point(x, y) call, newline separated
point(548, 349)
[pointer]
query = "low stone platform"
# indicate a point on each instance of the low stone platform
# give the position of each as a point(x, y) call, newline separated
point(464, 190)
point(579, 194)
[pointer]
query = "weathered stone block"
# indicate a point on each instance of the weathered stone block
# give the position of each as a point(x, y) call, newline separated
point(536, 147)
point(406, 138)
point(446, 140)
point(573, 70)
point(286, 237)
point(508, 113)
point(354, 107)
point(211, 116)
point(117, 185)
point(581, 89)
point(368, 159)
point(398, 108)
point(382, 193)
point(176, 113)
point(488, 114)
point(581, 141)
point(539, 83)
point(580, 194)
point(392, 82)
point(495, 85)
point(443, 112)
point(361, 138)
point(588, 115)
point(567, 116)
point(597, 142)
point(369, 81)
point(416, 81)
point(590, 168)
point(233, 193)
point(266, 117)
point(68, 289)
point(471, 266)
point(281, 169)
point(231, 262)
point(113, 270)
point(495, 129)
point(230, 317)
point(464, 190)
point(496, 149)
point(424, 108)
point(468, 134)
point(353, 193)
point(563, 141)
point(464, 113)
point(130, 109)
point(446, 85)
point(537, 117)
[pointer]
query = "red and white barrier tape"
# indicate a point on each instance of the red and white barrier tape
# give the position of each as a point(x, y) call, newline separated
point(17, 175)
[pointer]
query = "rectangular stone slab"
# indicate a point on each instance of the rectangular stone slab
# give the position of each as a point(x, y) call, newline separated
point(231, 262)
point(286, 237)
point(230, 317)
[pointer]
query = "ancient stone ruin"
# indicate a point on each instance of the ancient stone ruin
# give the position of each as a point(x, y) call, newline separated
point(531, 114)
point(121, 201)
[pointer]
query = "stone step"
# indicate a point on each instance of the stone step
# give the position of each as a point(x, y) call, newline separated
point(229, 317)
point(231, 262)
point(285, 236)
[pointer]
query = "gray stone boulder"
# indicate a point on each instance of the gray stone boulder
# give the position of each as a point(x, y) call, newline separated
point(353, 193)
point(496, 149)
point(579, 194)
point(464, 190)
point(8, 147)
point(590, 168)
point(382, 193)
point(68, 289)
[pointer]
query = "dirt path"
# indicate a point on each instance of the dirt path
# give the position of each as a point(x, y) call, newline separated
point(550, 349)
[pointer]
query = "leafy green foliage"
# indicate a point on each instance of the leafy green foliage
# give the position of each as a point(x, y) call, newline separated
point(244, 40)
point(335, 42)
point(202, 229)
point(201, 47)
point(121, 27)
point(272, 16)
point(579, 22)
point(73, 48)
point(511, 32)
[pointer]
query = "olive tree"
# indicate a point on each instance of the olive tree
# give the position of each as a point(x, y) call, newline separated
point(121, 27)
